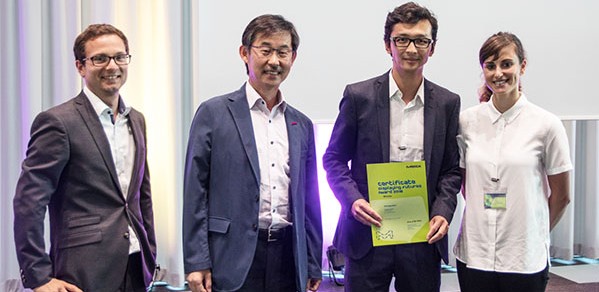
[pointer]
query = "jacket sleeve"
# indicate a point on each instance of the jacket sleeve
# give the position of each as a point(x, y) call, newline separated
point(340, 151)
point(47, 155)
point(196, 255)
point(450, 176)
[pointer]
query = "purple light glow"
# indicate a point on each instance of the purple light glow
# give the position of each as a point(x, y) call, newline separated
point(328, 203)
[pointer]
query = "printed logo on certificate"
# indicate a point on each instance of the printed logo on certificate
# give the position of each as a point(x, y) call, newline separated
point(398, 192)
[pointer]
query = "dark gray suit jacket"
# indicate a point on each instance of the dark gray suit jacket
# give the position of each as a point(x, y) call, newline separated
point(222, 192)
point(70, 170)
point(361, 135)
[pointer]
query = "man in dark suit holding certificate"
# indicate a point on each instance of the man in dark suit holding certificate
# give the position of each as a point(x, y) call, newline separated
point(398, 116)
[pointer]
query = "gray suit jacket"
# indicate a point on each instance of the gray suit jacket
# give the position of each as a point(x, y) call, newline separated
point(69, 170)
point(222, 191)
point(361, 135)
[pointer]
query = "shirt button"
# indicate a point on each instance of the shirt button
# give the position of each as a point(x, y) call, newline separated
point(126, 235)
point(273, 165)
point(274, 188)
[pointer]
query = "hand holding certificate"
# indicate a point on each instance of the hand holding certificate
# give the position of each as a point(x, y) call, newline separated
point(398, 193)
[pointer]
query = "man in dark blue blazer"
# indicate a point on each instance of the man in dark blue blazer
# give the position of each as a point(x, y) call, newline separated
point(398, 116)
point(251, 217)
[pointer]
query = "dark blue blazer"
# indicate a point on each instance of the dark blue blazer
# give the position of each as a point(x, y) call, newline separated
point(222, 191)
point(361, 135)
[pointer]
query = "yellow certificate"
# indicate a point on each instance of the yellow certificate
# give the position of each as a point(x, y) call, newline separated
point(398, 193)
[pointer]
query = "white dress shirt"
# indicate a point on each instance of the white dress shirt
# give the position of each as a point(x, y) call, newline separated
point(406, 124)
point(122, 147)
point(509, 153)
point(270, 133)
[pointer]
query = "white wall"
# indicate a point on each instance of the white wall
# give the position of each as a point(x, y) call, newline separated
point(342, 42)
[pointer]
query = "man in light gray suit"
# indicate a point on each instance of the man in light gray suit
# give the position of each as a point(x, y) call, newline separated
point(86, 163)
point(251, 217)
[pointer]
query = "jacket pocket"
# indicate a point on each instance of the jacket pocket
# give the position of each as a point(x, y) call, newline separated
point(81, 238)
point(83, 221)
point(218, 224)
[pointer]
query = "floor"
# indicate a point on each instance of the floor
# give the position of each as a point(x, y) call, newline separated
point(579, 275)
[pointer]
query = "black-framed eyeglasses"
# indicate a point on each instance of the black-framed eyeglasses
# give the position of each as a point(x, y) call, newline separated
point(103, 60)
point(404, 42)
point(267, 51)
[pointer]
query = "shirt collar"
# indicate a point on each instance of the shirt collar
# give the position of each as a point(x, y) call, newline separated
point(511, 113)
point(100, 107)
point(395, 93)
point(253, 98)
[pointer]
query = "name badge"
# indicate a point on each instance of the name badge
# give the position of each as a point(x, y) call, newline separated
point(495, 200)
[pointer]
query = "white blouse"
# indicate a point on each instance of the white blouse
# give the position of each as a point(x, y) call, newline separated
point(512, 154)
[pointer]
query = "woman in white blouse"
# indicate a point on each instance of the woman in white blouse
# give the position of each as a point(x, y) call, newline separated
point(516, 160)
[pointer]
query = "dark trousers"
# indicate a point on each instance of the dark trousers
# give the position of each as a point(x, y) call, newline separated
point(477, 280)
point(273, 267)
point(416, 267)
point(133, 280)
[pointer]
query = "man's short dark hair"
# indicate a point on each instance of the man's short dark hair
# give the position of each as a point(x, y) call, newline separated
point(92, 32)
point(268, 24)
point(409, 13)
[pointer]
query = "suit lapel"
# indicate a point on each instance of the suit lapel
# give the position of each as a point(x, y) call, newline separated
point(383, 113)
point(92, 122)
point(240, 112)
point(430, 106)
